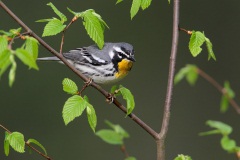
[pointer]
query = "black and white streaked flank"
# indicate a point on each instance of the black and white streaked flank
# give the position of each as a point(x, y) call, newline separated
point(100, 65)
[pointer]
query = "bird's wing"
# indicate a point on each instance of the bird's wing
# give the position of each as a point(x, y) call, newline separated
point(100, 54)
point(84, 55)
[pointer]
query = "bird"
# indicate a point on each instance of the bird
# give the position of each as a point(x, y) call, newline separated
point(104, 66)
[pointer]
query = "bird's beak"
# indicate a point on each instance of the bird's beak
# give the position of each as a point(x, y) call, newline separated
point(132, 59)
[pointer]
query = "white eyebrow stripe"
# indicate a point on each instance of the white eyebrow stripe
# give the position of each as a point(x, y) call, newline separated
point(119, 50)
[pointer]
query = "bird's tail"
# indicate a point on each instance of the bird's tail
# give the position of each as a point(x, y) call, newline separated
point(48, 59)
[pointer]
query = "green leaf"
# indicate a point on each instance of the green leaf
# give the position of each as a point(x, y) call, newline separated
point(69, 86)
point(136, 4)
point(127, 95)
point(110, 136)
point(94, 27)
point(26, 58)
point(73, 108)
point(113, 88)
point(228, 89)
point(44, 20)
point(16, 141)
point(118, 1)
point(118, 129)
point(130, 158)
point(195, 43)
point(31, 46)
point(4, 56)
point(92, 117)
point(145, 4)
point(181, 74)
point(224, 105)
point(38, 144)
point(12, 71)
point(183, 157)
point(86, 98)
point(15, 31)
point(228, 144)
point(53, 27)
point(5, 61)
point(222, 127)
point(103, 23)
point(190, 72)
point(3, 43)
point(8, 34)
point(237, 149)
point(5, 67)
point(210, 50)
point(77, 14)
point(6, 144)
point(60, 14)
point(12, 32)
point(210, 132)
point(169, 1)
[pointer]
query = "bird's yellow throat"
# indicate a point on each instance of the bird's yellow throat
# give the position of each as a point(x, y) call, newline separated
point(123, 68)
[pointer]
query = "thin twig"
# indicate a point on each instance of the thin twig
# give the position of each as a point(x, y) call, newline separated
point(238, 155)
point(45, 156)
point(19, 36)
point(63, 33)
point(220, 88)
point(5, 128)
point(187, 31)
point(147, 128)
point(166, 114)
point(124, 150)
point(88, 83)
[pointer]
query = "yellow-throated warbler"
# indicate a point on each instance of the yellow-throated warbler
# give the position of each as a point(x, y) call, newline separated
point(108, 65)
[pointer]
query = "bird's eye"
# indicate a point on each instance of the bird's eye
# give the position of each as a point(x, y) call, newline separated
point(128, 52)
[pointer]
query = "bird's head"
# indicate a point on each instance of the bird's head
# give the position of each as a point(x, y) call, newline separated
point(122, 51)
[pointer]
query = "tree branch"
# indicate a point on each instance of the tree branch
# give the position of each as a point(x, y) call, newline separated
point(147, 128)
point(219, 88)
point(45, 156)
point(166, 114)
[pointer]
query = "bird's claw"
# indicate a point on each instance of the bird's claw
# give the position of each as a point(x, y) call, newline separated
point(110, 98)
point(88, 82)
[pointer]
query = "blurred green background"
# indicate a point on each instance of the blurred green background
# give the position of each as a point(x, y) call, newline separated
point(34, 104)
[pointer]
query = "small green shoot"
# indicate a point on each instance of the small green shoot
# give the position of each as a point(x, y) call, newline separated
point(54, 25)
point(110, 136)
point(183, 157)
point(114, 136)
point(127, 95)
point(189, 72)
point(229, 93)
point(34, 141)
point(196, 41)
point(28, 53)
point(225, 130)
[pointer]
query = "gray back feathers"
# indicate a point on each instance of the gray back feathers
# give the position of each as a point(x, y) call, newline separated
point(91, 54)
